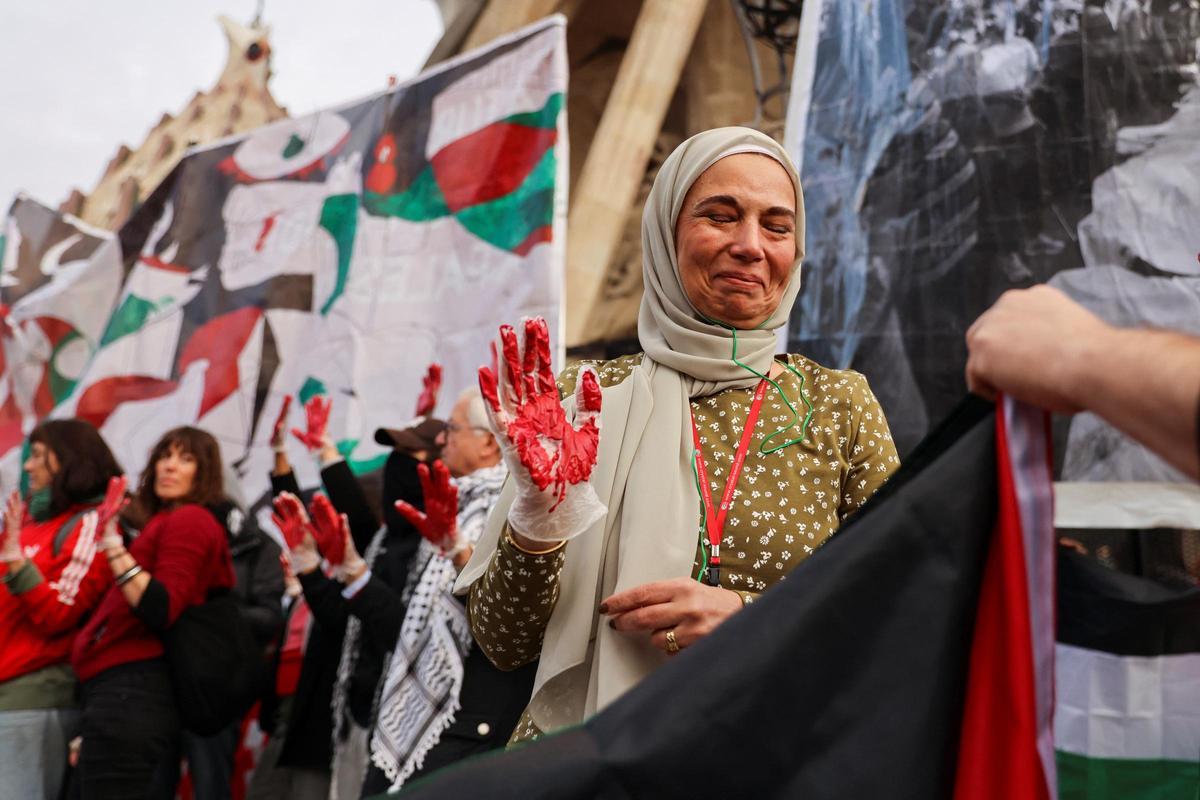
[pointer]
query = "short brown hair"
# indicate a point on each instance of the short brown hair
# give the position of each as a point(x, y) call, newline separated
point(85, 463)
point(208, 486)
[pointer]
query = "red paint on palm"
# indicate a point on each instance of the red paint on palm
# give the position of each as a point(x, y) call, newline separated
point(114, 500)
point(433, 384)
point(439, 522)
point(289, 517)
point(327, 530)
point(316, 412)
point(554, 453)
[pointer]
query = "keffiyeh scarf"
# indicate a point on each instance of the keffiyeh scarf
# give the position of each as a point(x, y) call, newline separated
point(423, 678)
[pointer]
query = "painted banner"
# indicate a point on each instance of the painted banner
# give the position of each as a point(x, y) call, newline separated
point(339, 254)
point(59, 282)
point(952, 150)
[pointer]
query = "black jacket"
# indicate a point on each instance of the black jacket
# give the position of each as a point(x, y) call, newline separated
point(257, 572)
point(377, 605)
point(309, 734)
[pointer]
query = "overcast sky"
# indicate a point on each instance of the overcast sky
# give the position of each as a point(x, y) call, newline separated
point(82, 77)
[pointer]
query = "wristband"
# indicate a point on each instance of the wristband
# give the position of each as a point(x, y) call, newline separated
point(129, 575)
point(118, 555)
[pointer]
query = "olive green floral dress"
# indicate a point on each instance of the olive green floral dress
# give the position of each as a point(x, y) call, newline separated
point(786, 504)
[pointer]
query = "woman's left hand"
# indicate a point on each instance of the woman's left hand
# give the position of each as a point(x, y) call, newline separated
point(688, 608)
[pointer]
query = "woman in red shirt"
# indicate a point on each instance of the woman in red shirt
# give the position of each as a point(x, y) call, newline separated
point(52, 580)
point(130, 722)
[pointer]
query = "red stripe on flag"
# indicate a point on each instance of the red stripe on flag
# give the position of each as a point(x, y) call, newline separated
point(489, 163)
point(998, 754)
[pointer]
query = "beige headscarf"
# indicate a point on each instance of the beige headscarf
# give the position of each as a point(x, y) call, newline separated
point(650, 532)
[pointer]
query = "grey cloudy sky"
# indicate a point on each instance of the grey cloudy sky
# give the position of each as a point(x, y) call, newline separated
point(82, 77)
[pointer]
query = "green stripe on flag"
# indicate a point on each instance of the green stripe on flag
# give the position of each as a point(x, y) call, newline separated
point(545, 117)
point(339, 216)
point(311, 388)
point(131, 316)
point(1083, 778)
point(507, 221)
point(421, 202)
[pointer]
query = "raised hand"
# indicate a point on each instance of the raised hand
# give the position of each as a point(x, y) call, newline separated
point(327, 529)
point(550, 459)
point(279, 432)
point(14, 516)
point(291, 584)
point(525, 405)
point(115, 499)
point(290, 517)
point(432, 383)
point(439, 522)
point(316, 412)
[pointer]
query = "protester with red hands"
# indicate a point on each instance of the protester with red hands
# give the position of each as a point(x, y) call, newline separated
point(672, 486)
point(372, 609)
point(130, 725)
point(442, 700)
point(53, 578)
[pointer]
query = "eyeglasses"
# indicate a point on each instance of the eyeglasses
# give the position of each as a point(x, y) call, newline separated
point(454, 427)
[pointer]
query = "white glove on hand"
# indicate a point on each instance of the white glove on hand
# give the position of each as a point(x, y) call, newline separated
point(550, 460)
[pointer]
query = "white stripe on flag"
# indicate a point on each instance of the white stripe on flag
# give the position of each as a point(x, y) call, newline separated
point(1132, 707)
point(1126, 505)
point(1033, 483)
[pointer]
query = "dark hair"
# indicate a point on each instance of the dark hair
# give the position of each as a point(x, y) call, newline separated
point(208, 485)
point(84, 462)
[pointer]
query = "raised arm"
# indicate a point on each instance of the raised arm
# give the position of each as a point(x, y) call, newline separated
point(1039, 346)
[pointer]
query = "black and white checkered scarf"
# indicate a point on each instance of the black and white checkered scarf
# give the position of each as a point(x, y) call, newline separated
point(421, 686)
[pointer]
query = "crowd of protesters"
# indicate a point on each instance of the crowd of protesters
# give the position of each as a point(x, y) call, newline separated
point(143, 627)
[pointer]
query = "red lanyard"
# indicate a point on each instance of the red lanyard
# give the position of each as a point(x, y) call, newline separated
point(714, 519)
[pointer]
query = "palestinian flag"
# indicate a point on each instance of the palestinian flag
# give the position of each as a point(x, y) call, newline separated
point(1127, 717)
point(869, 672)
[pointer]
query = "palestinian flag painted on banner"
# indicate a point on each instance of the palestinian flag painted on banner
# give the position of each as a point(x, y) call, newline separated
point(60, 279)
point(339, 254)
point(1127, 717)
point(908, 658)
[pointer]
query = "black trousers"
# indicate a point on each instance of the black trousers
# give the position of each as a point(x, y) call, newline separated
point(129, 724)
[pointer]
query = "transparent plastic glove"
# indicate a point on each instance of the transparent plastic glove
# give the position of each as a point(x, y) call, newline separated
point(291, 584)
point(279, 432)
point(353, 565)
point(292, 520)
point(439, 521)
point(316, 412)
point(432, 382)
point(549, 459)
point(10, 543)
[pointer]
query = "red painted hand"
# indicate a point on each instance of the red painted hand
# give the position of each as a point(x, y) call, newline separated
point(114, 501)
point(433, 383)
point(524, 399)
point(328, 529)
point(439, 522)
point(279, 432)
point(289, 516)
point(316, 411)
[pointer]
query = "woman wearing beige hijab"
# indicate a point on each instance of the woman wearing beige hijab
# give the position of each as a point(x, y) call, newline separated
point(719, 466)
